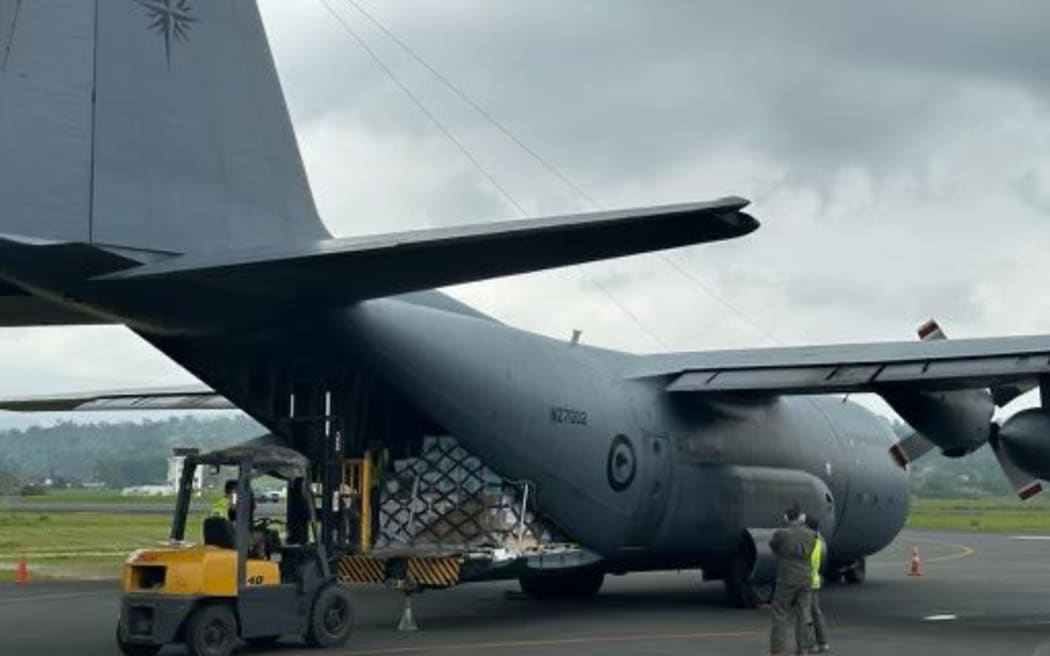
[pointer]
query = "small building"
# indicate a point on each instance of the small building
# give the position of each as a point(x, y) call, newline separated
point(175, 465)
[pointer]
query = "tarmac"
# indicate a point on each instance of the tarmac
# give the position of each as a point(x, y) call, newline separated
point(979, 594)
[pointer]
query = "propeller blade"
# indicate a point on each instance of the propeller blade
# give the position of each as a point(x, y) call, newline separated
point(909, 449)
point(1002, 395)
point(1023, 483)
point(931, 330)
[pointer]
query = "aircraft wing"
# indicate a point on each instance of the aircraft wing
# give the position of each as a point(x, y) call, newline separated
point(190, 397)
point(346, 270)
point(875, 367)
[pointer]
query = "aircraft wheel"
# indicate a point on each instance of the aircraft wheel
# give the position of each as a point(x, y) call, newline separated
point(741, 592)
point(331, 618)
point(211, 631)
point(856, 574)
point(131, 649)
point(568, 585)
point(832, 576)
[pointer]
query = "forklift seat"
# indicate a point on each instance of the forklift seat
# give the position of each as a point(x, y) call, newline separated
point(218, 532)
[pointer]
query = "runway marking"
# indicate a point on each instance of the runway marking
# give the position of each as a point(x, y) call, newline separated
point(52, 597)
point(1030, 537)
point(963, 552)
point(941, 618)
point(554, 642)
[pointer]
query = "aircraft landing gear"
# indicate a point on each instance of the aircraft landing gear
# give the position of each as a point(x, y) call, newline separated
point(572, 584)
point(852, 573)
point(856, 573)
point(741, 591)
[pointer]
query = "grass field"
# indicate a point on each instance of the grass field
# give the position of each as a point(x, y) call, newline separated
point(104, 496)
point(74, 544)
point(994, 515)
point(108, 497)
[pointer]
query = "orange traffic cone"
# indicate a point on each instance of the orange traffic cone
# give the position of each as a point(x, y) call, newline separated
point(21, 572)
point(916, 563)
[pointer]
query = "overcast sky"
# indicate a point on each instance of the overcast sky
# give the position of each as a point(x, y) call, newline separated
point(896, 153)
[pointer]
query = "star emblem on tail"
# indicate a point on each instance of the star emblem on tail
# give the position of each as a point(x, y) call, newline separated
point(171, 19)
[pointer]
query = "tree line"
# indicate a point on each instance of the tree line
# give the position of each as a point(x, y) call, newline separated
point(114, 454)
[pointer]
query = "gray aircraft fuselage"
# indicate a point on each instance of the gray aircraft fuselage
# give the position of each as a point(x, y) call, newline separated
point(646, 479)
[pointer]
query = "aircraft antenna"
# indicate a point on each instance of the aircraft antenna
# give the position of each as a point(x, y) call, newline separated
point(470, 102)
point(423, 108)
point(556, 172)
point(473, 160)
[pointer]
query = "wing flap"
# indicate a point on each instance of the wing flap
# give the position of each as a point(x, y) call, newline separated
point(164, 398)
point(936, 365)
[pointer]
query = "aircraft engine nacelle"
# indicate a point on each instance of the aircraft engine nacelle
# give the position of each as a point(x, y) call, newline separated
point(1026, 439)
point(958, 422)
point(763, 564)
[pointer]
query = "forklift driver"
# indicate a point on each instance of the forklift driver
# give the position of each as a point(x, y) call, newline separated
point(226, 506)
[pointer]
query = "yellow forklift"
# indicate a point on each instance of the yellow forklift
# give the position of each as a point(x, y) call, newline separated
point(244, 581)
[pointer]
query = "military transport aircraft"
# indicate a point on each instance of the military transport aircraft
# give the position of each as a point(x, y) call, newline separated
point(150, 177)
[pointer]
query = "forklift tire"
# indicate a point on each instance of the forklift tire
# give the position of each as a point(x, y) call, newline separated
point(330, 617)
point(132, 649)
point(211, 631)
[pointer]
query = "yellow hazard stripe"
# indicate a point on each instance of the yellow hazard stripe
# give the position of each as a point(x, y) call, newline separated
point(362, 569)
point(436, 572)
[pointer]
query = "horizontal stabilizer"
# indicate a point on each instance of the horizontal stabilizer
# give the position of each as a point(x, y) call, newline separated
point(55, 266)
point(18, 308)
point(192, 397)
point(338, 271)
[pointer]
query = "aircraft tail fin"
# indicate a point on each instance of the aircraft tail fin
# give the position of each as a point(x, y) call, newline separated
point(157, 125)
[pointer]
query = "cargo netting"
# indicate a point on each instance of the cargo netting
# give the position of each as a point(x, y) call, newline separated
point(448, 498)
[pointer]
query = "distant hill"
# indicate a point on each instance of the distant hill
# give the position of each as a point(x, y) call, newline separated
point(972, 476)
point(118, 454)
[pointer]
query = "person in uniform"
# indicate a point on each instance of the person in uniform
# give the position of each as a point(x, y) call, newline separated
point(815, 632)
point(226, 505)
point(793, 547)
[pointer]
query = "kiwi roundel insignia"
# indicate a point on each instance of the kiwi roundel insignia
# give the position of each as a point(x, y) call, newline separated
point(622, 464)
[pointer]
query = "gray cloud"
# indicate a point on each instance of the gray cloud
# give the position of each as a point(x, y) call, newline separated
point(611, 89)
point(898, 154)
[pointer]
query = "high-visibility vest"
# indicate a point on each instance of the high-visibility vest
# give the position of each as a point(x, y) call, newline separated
point(221, 507)
point(815, 558)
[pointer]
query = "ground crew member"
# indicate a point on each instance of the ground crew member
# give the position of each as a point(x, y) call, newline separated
point(816, 636)
point(792, 546)
point(226, 505)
